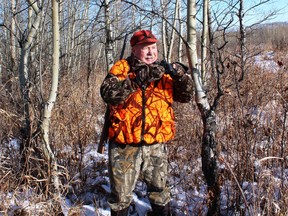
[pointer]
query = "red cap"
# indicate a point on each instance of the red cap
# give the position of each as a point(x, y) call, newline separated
point(142, 37)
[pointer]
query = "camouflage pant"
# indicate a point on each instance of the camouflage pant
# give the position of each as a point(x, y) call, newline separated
point(127, 163)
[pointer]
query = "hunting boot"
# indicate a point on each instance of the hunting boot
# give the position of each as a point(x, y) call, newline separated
point(160, 210)
point(122, 212)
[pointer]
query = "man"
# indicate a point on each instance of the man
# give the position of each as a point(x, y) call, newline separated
point(140, 91)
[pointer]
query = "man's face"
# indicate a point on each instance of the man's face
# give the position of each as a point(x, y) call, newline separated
point(148, 53)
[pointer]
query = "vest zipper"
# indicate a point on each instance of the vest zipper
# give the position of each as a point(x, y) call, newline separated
point(143, 88)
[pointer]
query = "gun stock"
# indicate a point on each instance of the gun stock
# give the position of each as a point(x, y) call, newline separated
point(105, 129)
point(104, 134)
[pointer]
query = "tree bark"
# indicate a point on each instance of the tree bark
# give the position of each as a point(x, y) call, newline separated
point(164, 31)
point(242, 39)
point(108, 43)
point(180, 32)
point(12, 71)
point(204, 40)
point(25, 45)
point(209, 152)
point(172, 36)
point(45, 125)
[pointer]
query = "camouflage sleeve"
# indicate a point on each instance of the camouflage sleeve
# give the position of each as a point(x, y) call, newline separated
point(114, 91)
point(182, 84)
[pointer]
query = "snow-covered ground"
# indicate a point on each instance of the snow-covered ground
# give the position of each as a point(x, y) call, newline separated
point(93, 198)
point(186, 200)
point(267, 62)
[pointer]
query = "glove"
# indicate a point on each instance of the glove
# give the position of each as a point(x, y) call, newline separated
point(148, 73)
point(156, 71)
point(169, 69)
point(175, 70)
point(142, 75)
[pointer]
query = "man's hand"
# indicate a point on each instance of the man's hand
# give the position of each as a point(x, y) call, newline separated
point(142, 75)
point(175, 70)
point(156, 71)
point(148, 73)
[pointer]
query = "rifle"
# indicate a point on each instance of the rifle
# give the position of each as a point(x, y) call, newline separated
point(105, 128)
point(104, 132)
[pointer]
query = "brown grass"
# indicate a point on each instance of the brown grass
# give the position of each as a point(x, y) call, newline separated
point(250, 119)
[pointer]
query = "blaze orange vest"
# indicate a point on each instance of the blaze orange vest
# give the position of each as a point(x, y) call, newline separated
point(146, 115)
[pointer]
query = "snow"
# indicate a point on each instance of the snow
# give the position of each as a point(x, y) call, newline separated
point(94, 199)
point(186, 199)
point(267, 62)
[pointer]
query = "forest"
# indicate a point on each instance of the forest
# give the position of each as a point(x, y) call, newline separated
point(229, 156)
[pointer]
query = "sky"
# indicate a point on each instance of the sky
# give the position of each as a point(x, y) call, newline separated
point(256, 11)
point(281, 6)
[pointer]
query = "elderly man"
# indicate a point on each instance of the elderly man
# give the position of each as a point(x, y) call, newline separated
point(139, 92)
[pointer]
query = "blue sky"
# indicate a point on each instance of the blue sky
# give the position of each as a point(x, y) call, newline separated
point(273, 5)
point(256, 11)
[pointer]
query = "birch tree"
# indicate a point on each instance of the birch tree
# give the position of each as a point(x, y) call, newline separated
point(180, 32)
point(26, 43)
point(108, 43)
point(45, 124)
point(7, 51)
point(164, 28)
point(209, 152)
point(172, 35)
point(109, 64)
point(168, 38)
point(12, 67)
point(204, 40)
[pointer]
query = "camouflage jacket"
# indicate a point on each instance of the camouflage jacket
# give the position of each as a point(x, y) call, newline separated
point(140, 106)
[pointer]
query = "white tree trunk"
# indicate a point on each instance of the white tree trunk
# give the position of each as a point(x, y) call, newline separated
point(108, 44)
point(164, 32)
point(45, 125)
point(12, 37)
point(180, 32)
point(172, 36)
point(204, 41)
point(25, 45)
point(192, 54)
point(208, 150)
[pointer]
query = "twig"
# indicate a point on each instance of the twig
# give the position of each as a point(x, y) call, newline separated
point(270, 157)
point(238, 184)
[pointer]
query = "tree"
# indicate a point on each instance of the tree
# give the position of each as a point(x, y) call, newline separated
point(204, 40)
point(45, 123)
point(164, 28)
point(180, 32)
point(172, 35)
point(209, 152)
point(168, 37)
point(26, 42)
point(109, 41)
point(12, 68)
